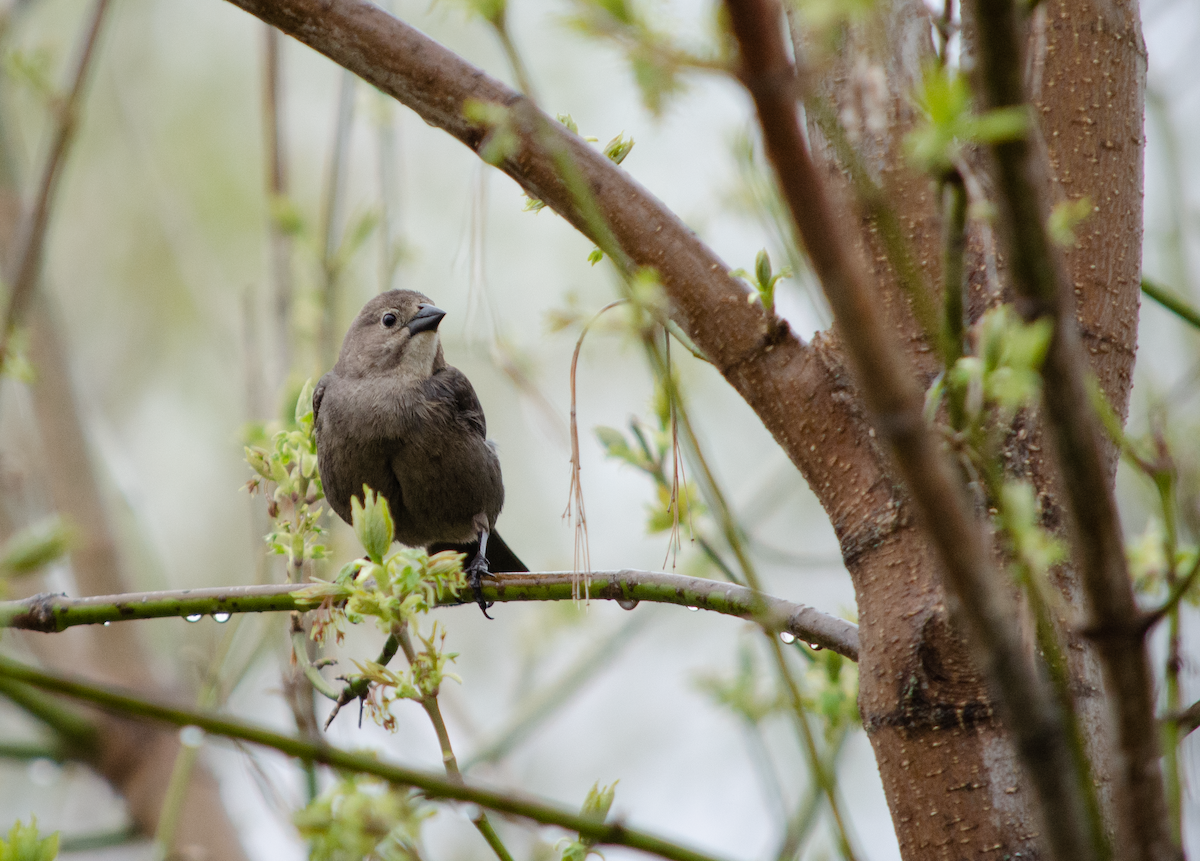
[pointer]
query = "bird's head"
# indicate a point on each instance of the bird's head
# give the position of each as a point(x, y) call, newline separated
point(395, 332)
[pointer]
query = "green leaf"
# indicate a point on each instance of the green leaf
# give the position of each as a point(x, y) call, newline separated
point(372, 524)
point(34, 546)
point(304, 405)
point(999, 125)
point(944, 97)
point(569, 121)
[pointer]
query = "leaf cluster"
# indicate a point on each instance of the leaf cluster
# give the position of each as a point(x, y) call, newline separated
point(24, 843)
point(951, 123)
point(287, 474)
point(363, 818)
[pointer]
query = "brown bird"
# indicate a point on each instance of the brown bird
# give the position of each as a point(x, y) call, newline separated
point(392, 415)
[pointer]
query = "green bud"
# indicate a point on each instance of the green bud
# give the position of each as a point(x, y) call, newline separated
point(304, 404)
point(257, 458)
point(617, 148)
point(599, 800)
point(762, 268)
point(372, 524)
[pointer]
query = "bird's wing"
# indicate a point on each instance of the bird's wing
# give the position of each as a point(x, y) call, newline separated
point(451, 386)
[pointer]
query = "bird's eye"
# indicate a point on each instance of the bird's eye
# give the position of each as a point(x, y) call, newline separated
point(389, 319)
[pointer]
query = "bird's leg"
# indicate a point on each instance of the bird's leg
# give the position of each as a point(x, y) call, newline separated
point(477, 570)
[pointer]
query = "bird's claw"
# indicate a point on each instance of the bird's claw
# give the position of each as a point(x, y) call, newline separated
point(475, 572)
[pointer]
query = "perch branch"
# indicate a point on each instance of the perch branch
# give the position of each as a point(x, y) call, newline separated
point(50, 613)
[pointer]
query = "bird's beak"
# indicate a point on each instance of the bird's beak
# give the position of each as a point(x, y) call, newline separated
point(427, 319)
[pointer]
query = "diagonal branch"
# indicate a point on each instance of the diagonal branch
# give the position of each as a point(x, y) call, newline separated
point(51, 613)
point(980, 606)
point(1044, 292)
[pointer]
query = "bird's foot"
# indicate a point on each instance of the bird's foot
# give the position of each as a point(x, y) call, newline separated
point(476, 572)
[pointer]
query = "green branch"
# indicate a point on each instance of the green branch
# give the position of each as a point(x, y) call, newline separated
point(432, 785)
point(53, 613)
point(1170, 301)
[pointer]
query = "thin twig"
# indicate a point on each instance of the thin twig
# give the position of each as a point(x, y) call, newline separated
point(1171, 301)
point(52, 613)
point(979, 607)
point(1187, 720)
point(432, 785)
point(26, 262)
point(277, 190)
point(575, 510)
point(429, 702)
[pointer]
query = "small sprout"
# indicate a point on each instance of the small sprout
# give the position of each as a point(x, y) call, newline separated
point(1065, 217)
point(596, 806)
point(24, 843)
point(595, 256)
point(363, 817)
point(950, 124)
point(569, 121)
point(764, 282)
point(617, 148)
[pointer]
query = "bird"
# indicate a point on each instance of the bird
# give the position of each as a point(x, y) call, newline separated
point(393, 416)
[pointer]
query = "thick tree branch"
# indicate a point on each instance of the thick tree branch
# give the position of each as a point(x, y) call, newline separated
point(1044, 291)
point(980, 605)
point(432, 785)
point(52, 613)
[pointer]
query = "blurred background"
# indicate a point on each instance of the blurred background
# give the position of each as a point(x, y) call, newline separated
point(159, 278)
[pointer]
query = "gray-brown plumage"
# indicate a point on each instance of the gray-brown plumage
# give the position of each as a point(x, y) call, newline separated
point(392, 415)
